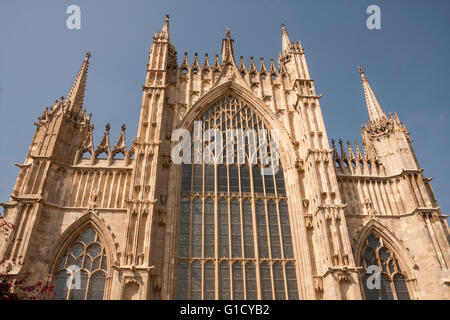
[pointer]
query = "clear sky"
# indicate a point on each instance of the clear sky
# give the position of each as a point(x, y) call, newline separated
point(407, 63)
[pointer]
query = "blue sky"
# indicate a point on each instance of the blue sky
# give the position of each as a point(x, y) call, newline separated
point(407, 63)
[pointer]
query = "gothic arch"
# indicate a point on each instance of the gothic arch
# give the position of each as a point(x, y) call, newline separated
point(287, 160)
point(375, 227)
point(201, 106)
point(89, 219)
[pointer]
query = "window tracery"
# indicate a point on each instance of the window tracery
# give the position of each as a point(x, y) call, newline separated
point(234, 222)
point(81, 272)
point(392, 284)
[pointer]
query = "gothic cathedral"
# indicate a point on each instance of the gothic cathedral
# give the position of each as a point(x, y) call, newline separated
point(132, 223)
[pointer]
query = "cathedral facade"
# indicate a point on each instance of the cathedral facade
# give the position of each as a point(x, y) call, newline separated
point(339, 221)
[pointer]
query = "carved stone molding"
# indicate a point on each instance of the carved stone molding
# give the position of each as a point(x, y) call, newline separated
point(157, 281)
point(166, 160)
point(309, 221)
point(162, 214)
point(318, 283)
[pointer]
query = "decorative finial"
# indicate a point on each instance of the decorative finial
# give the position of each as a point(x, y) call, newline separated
point(108, 126)
point(164, 34)
point(227, 32)
point(361, 70)
point(285, 42)
point(88, 54)
point(124, 127)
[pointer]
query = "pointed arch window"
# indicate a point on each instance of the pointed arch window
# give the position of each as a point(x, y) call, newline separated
point(376, 257)
point(81, 272)
point(234, 237)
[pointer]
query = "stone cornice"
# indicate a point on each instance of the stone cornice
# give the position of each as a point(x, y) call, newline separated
point(160, 87)
point(419, 210)
point(27, 198)
point(94, 167)
point(133, 268)
point(360, 177)
point(81, 209)
point(88, 168)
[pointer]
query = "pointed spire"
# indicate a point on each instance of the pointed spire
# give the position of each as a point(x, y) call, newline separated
point(227, 46)
point(358, 151)
point(363, 141)
point(195, 63)
point(351, 155)
point(206, 66)
point(75, 98)
point(252, 66)
point(242, 68)
point(335, 153)
point(88, 143)
point(376, 113)
point(120, 144)
point(343, 153)
point(217, 66)
point(104, 143)
point(285, 42)
point(273, 69)
point(44, 117)
point(185, 63)
point(165, 32)
point(262, 68)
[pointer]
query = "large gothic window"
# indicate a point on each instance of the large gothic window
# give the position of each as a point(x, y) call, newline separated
point(378, 258)
point(81, 273)
point(234, 236)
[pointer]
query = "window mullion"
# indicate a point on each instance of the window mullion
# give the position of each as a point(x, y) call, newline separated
point(202, 272)
point(189, 278)
point(286, 291)
point(191, 228)
point(216, 230)
point(88, 284)
point(255, 232)
point(202, 263)
point(69, 290)
point(283, 258)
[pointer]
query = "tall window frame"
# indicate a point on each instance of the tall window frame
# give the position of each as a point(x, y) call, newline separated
point(233, 224)
point(393, 284)
point(83, 268)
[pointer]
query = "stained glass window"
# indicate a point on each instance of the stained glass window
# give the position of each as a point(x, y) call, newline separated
point(81, 273)
point(234, 220)
point(379, 261)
